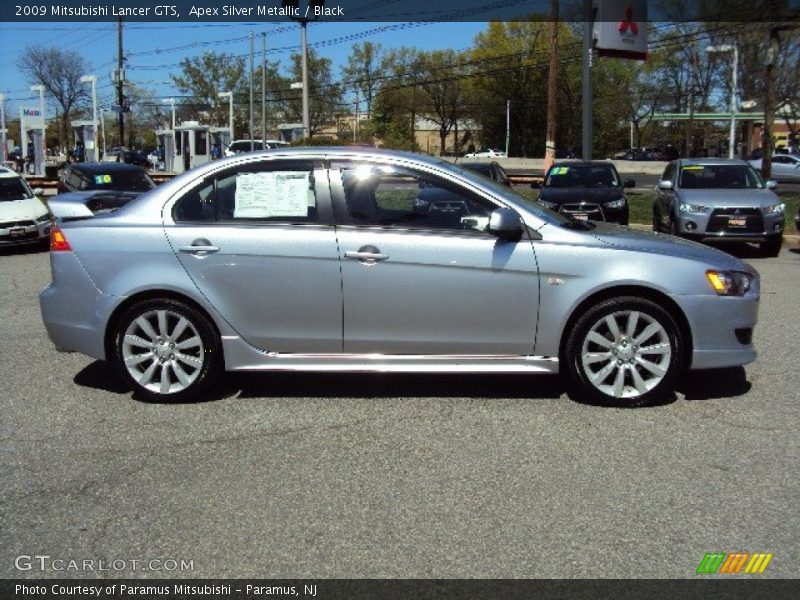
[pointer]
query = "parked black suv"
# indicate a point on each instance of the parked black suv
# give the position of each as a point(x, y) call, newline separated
point(586, 190)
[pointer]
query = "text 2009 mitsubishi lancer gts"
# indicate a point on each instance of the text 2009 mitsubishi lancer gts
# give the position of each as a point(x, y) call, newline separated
point(325, 259)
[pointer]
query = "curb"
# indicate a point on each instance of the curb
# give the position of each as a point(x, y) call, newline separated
point(643, 227)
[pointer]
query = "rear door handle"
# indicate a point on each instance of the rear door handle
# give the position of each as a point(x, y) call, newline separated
point(199, 247)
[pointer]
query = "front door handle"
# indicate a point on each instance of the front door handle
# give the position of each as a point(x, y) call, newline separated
point(199, 247)
point(366, 254)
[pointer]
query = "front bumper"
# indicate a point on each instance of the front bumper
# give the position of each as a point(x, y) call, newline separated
point(25, 232)
point(595, 212)
point(719, 226)
point(721, 329)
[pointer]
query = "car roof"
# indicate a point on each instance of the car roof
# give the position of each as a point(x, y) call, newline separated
point(8, 173)
point(711, 161)
point(579, 161)
point(471, 164)
point(105, 167)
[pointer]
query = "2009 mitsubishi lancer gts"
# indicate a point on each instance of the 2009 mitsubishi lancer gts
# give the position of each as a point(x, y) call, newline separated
point(331, 259)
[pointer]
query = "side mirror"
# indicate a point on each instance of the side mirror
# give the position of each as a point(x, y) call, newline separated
point(505, 224)
point(771, 184)
point(665, 184)
point(536, 184)
point(38, 191)
point(629, 183)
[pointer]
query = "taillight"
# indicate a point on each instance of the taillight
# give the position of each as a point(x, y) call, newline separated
point(58, 241)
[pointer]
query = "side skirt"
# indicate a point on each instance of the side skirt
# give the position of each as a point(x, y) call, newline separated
point(240, 356)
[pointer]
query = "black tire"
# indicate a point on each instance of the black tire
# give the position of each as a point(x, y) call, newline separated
point(200, 363)
point(656, 221)
point(617, 308)
point(673, 227)
point(771, 248)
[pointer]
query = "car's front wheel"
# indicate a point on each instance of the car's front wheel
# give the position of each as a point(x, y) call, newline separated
point(625, 351)
point(167, 350)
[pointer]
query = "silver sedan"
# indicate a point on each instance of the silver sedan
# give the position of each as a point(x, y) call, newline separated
point(323, 259)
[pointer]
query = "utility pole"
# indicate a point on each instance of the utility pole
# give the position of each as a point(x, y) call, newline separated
point(355, 122)
point(120, 84)
point(263, 86)
point(252, 67)
point(508, 127)
point(690, 122)
point(304, 65)
point(588, 43)
point(550, 136)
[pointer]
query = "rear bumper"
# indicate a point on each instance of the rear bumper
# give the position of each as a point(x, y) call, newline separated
point(74, 311)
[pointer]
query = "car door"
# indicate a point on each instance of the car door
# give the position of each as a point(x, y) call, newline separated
point(420, 273)
point(259, 242)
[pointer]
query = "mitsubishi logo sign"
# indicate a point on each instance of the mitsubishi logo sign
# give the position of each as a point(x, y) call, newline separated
point(620, 28)
point(629, 23)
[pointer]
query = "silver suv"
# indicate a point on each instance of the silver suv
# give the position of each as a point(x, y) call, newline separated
point(719, 200)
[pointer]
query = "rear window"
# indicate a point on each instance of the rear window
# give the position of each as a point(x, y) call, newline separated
point(123, 181)
point(13, 188)
point(719, 177)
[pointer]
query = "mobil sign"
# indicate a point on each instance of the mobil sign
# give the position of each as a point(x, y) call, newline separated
point(33, 117)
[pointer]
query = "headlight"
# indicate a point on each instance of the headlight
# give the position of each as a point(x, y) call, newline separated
point(550, 205)
point(775, 209)
point(692, 209)
point(730, 283)
point(620, 203)
point(44, 218)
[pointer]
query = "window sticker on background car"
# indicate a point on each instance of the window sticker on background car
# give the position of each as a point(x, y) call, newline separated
point(102, 179)
point(693, 167)
point(559, 171)
point(273, 194)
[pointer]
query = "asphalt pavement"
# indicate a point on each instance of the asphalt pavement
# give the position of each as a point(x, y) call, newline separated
point(296, 475)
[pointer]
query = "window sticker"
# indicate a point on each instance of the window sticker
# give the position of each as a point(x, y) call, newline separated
point(274, 194)
point(693, 167)
point(559, 170)
point(102, 179)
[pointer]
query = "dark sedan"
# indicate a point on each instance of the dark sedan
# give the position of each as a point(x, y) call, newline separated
point(586, 191)
point(104, 186)
point(492, 170)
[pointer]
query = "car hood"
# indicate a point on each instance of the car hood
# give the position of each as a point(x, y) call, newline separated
point(729, 198)
point(580, 194)
point(21, 210)
point(658, 243)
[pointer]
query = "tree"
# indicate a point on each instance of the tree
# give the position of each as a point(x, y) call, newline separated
point(203, 77)
point(325, 97)
point(60, 72)
point(364, 71)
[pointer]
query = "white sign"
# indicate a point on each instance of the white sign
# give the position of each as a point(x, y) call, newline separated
point(33, 117)
point(620, 28)
point(274, 194)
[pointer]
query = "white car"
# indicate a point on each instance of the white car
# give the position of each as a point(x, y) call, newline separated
point(486, 153)
point(23, 217)
point(785, 167)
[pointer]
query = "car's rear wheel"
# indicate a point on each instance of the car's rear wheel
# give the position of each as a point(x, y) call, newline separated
point(771, 248)
point(167, 350)
point(656, 221)
point(624, 351)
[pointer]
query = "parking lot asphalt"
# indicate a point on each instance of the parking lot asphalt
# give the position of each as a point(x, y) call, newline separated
point(296, 475)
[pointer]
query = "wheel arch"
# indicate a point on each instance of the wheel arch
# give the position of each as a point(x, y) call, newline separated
point(639, 291)
point(151, 294)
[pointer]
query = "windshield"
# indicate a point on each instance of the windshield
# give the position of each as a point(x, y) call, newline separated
point(577, 175)
point(13, 188)
point(719, 177)
point(124, 181)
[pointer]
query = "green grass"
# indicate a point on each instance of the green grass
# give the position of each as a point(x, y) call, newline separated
point(641, 206)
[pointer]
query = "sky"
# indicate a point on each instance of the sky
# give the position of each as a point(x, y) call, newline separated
point(154, 49)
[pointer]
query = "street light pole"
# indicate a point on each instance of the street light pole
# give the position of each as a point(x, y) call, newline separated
point(40, 88)
point(734, 83)
point(304, 64)
point(229, 96)
point(93, 80)
point(3, 127)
